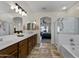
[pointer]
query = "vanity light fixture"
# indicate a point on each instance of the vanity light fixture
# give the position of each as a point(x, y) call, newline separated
point(18, 9)
point(23, 13)
point(12, 6)
point(34, 22)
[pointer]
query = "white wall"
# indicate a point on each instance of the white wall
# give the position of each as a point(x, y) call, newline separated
point(36, 16)
point(72, 12)
point(8, 17)
point(52, 15)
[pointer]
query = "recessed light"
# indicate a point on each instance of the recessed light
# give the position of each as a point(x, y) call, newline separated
point(64, 8)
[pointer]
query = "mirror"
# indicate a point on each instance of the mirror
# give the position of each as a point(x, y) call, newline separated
point(4, 28)
point(31, 26)
point(18, 28)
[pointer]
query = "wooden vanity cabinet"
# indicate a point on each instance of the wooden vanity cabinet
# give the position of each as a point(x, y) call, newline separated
point(19, 50)
point(23, 48)
point(9, 52)
point(29, 44)
point(35, 40)
point(32, 41)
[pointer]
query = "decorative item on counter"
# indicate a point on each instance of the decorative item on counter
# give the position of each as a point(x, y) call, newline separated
point(20, 34)
point(14, 29)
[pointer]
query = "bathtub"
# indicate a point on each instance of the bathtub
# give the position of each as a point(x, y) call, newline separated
point(64, 45)
point(69, 51)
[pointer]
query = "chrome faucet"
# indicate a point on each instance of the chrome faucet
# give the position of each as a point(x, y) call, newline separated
point(72, 42)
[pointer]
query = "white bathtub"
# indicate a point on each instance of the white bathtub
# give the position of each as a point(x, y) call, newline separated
point(69, 51)
point(64, 45)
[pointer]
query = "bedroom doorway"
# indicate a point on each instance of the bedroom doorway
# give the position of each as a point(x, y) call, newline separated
point(45, 29)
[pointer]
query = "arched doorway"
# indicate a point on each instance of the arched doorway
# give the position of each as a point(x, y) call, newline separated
point(45, 29)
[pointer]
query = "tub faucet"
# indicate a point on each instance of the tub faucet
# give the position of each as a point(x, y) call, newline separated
point(72, 42)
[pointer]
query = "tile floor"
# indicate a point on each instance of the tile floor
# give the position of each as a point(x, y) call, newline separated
point(44, 50)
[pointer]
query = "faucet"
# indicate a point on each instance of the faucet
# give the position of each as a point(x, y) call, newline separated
point(72, 42)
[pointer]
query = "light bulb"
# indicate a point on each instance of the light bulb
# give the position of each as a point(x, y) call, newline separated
point(34, 22)
point(20, 11)
point(12, 7)
point(16, 9)
point(23, 13)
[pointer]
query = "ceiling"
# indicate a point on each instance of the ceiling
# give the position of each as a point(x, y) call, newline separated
point(5, 7)
point(49, 6)
point(38, 6)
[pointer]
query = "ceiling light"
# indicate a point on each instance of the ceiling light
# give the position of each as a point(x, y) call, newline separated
point(23, 13)
point(12, 7)
point(34, 22)
point(64, 8)
point(16, 9)
point(20, 11)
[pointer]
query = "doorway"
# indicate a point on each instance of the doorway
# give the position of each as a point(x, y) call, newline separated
point(45, 29)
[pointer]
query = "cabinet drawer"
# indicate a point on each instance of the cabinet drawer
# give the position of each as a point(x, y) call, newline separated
point(9, 49)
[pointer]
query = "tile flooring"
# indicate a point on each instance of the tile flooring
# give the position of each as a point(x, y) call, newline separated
point(44, 50)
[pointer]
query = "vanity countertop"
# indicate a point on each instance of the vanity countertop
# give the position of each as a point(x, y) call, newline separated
point(12, 39)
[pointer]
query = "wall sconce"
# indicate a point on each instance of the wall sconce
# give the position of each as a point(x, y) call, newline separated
point(34, 22)
point(18, 9)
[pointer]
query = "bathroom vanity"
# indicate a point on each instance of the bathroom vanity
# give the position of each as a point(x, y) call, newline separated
point(12, 46)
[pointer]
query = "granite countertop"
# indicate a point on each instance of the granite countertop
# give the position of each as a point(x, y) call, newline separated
point(12, 39)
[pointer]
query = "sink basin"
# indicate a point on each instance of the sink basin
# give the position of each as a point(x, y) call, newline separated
point(20, 35)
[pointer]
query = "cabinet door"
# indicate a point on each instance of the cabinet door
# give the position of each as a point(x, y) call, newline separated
point(23, 52)
point(10, 51)
point(30, 44)
point(23, 49)
point(35, 39)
